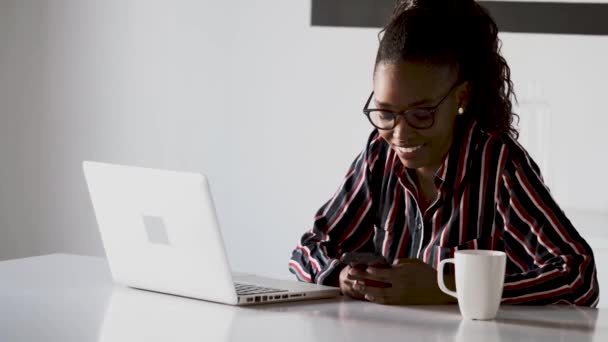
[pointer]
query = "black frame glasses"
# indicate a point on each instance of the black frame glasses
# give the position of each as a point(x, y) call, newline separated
point(419, 118)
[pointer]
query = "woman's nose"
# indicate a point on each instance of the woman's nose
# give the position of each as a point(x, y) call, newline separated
point(402, 131)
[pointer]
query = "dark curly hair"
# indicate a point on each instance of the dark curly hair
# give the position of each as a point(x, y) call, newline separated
point(459, 32)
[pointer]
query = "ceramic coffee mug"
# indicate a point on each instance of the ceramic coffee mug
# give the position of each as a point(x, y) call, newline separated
point(480, 276)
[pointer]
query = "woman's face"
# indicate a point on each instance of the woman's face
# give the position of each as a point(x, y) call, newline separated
point(403, 86)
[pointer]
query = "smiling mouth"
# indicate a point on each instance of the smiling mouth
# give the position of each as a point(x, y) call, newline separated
point(409, 149)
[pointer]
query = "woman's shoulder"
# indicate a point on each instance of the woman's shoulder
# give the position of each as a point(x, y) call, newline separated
point(375, 142)
point(376, 148)
point(505, 148)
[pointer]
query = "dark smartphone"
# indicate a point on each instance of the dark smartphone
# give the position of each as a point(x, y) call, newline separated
point(362, 260)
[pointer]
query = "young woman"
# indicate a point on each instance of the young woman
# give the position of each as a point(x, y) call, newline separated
point(442, 171)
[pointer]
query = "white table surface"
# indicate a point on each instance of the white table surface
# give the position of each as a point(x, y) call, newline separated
point(63, 297)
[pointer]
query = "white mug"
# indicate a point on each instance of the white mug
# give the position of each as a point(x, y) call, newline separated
point(480, 276)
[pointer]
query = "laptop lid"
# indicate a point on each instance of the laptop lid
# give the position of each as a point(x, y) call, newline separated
point(160, 230)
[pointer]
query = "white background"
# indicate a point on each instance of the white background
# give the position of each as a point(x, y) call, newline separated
point(249, 93)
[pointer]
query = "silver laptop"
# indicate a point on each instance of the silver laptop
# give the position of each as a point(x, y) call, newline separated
point(160, 232)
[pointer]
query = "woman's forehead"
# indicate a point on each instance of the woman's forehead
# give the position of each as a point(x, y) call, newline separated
point(411, 83)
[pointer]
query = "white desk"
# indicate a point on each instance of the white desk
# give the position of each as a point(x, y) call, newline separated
point(71, 298)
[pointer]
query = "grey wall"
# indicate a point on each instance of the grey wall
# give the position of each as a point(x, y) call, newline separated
point(251, 94)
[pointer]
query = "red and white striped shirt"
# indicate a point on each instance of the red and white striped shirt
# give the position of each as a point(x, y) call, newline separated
point(491, 196)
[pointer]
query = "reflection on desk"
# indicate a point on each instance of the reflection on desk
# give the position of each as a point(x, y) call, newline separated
point(135, 315)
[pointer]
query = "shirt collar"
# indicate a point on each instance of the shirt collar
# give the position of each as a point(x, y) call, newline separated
point(455, 164)
point(458, 160)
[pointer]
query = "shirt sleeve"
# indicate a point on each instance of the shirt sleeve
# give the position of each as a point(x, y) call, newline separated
point(342, 224)
point(550, 262)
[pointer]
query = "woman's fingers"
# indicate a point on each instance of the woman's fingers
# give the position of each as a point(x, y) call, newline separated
point(373, 291)
point(355, 277)
point(351, 291)
point(380, 273)
point(377, 299)
point(378, 276)
point(373, 294)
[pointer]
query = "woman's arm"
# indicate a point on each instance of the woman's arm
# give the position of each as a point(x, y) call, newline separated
point(554, 263)
point(343, 224)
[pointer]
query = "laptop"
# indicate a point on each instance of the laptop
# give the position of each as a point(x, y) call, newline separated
point(160, 232)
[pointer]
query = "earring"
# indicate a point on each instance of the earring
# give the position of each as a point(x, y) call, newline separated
point(460, 110)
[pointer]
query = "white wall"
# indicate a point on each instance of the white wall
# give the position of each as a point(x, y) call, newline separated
point(107, 80)
point(560, 81)
point(247, 92)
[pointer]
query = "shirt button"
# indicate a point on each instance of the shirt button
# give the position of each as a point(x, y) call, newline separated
point(418, 227)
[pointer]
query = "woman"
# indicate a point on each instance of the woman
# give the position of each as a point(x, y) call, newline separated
point(443, 171)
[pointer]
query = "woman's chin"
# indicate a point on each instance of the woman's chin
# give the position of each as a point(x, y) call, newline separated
point(412, 163)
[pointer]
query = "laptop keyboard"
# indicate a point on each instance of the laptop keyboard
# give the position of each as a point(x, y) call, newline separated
point(248, 289)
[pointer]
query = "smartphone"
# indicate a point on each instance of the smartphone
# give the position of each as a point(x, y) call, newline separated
point(362, 260)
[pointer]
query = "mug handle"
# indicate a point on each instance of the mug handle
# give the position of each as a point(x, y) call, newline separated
point(440, 282)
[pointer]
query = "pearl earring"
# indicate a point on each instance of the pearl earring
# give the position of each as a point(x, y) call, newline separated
point(460, 110)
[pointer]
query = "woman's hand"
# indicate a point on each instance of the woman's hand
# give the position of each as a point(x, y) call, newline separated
point(346, 284)
point(411, 282)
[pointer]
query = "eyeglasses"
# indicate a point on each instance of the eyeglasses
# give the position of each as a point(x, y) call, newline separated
point(419, 118)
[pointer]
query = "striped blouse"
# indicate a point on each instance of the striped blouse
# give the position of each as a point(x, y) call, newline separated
point(491, 196)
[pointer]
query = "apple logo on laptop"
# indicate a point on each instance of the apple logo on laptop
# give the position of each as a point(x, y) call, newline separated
point(156, 230)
